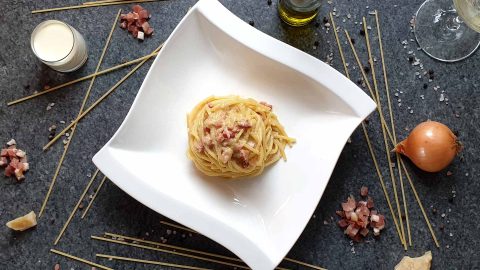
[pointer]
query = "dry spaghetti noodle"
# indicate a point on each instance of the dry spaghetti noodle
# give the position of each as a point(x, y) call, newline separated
point(234, 137)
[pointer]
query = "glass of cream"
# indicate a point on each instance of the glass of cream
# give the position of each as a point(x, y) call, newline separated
point(59, 46)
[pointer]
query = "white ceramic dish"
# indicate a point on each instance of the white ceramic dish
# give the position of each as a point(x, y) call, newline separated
point(212, 52)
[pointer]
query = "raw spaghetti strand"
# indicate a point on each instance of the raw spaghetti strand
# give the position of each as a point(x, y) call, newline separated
point(58, 252)
point(230, 258)
point(62, 231)
point(105, 95)
point(94, 196)
point(420, 204)
point(40, 93)
point(387, 152)
point(169, 251)
point(126, 259)
point(70, 138)
point(334, 27)
point(369, 87)
point(91, 5)
point(234, 137)
point(387, 90)
point(372, 154)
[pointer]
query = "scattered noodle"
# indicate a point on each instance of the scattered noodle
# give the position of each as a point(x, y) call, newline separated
point(230, 258)
point(62, 231)
point(126, 259)
point(70, 138)
point(100, 4)
point(234, 137)
point(370, 148)
point(105, 95)
point(420, 203)
point(168, 251)
point(369, 87)
point(79, 259)
point(387, 90)
point(94, 196)
point(387, 152)
point(105, 71)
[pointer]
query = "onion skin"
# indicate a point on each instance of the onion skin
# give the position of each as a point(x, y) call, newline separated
point(431, 146)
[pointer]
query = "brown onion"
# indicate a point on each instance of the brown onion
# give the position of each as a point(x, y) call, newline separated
point(431, 146)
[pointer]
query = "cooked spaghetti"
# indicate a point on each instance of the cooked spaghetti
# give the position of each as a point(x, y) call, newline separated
point(234, 137)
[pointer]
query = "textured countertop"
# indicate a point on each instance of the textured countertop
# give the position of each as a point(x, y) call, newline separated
point(322, 243)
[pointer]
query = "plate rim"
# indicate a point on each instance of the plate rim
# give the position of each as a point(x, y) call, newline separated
point(242, 246)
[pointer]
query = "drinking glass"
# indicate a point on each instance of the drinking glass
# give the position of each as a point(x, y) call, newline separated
point(448, 30)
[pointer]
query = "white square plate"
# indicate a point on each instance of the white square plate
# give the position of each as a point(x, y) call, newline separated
point(212, 52)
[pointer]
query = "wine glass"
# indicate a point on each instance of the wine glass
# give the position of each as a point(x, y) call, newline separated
point(448, 30)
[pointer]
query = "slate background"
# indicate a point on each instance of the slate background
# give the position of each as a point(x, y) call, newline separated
point(322, 244)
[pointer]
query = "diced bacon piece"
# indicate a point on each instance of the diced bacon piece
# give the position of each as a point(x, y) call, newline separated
point(20, 153)
point(135, 32)
point(381, 222)
point(4, 152)
point(207, 140)
point(351, 230)
point(123, 25)
point(342, 223)
point(12, 152)
point(131, 28)
point(149, 31)
point(227, 134)
point(364, 191)
point(364, 232)
point(226, 154)
point(357, 238)
point(3, 161)
point(362, 224)
point(354, 217)
point(143, 14)
point(340, 213)
point(9, 171)
point(145, 26)
point(363, 211)
point(266, 104)
point(206, 129)
point(376, 231)
point(137, 8)
point(374, 218)
point(244, 124)
point(11, 142)
point(130, 17)
point(135, 16)
point(349, 205)
point(139, 23)
point(14, 162)
point(370, 203)
point(360, 203)
point(244, 158)
point(19, 174)
point(199, 147)
point(348, 214)
point(220, 138)
point(123, 17)
point(26, 166)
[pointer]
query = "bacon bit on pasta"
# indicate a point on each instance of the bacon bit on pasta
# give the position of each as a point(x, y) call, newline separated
point(266, 104)
point(358, 217)
point(14, 160)
point(136, 22)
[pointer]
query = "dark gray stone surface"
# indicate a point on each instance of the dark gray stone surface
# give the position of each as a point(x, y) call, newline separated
point(322, 242)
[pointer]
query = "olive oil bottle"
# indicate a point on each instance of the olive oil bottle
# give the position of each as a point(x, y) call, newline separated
point(298, 12)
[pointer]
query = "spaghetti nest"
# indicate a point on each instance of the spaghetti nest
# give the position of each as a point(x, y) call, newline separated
point(235, 137)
